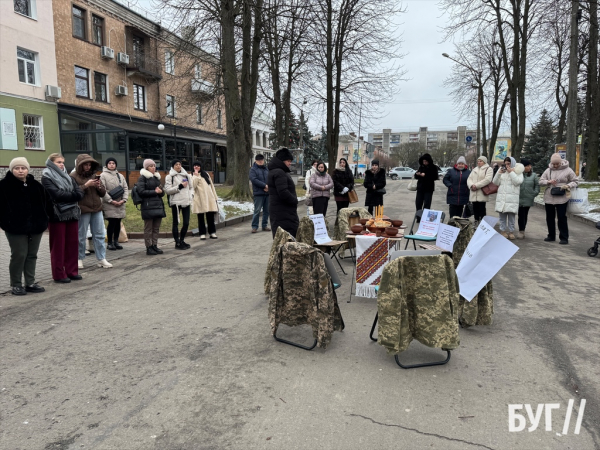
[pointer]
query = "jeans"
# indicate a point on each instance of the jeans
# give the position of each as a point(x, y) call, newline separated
point(260, 202)
point(185, 216)
point(113, 230)
point(96, 223)
point(563, 227)
point(210, 220)
point(423, 200)
point(523, 212)
point(479, 210)
point(507, 222)
point(151, 230)
point(64, 248)
point(23, 257)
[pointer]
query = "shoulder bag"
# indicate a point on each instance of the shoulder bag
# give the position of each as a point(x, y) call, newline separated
point(352, 196)
point(118, 192)
point(381, 191)
point(490, 188)
point(412, 185)
point(557, 191)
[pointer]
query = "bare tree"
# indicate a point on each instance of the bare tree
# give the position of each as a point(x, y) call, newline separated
point(593, 94)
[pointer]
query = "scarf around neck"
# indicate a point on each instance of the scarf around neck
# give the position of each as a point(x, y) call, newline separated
point(60, 178)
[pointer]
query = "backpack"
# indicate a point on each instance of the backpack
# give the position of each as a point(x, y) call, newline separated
point(135, 195)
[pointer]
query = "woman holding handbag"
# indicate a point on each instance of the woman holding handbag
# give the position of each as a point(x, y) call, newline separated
point(113, 203)
point(320, 185)
point(480, 177)
point(558, 177)
point(204, 201)
point(375, 185)
point(343, 183)
point(426, 177)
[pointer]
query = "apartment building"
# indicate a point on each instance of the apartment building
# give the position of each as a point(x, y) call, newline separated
point(428, 138)
point(356, 151)
point(133, 90)
point(28, 83)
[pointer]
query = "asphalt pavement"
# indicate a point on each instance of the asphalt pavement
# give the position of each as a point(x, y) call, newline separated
point(175, 352)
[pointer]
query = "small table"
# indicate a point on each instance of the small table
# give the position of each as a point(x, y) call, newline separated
point(332, 248)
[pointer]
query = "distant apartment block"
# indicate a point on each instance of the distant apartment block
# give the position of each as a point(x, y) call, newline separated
point(428, 138)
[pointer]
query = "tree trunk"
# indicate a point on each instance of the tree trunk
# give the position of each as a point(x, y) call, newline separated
point(329, 142)
point(594, 87)
point(572, 111)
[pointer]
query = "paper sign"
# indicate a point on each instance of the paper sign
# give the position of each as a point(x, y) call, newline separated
point(485, 255)
point(321, 235)
point(430, 222)
point(491, 220)
point(446, 237)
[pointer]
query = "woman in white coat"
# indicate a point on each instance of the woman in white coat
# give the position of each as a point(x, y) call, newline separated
point(178, 187)
point(480, 177)
point(509, 179)
point(205, 201)
point(309, 173)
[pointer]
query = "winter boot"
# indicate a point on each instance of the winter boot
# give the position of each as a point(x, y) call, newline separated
point(111, 246)
point(178, 245)
point(185, 245)
point(521, 235)
point(157, 250)
point(117, 245)
point(150, 251)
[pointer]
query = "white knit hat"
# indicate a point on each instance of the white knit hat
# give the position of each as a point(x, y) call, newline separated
point(21, 161)
point(461, 159)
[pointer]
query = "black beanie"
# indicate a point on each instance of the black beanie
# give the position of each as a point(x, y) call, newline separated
point(109, 160)
point(525, 162)
point(375, 161)
point(283, 154)
point(259, 158)
point(197, 163)
point(175, 161)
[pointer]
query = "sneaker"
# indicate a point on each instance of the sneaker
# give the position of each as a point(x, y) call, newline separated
point(185, 245)
point(18, 290)
point(202, 237)
point(511, 236)
point(504, 234)
point(521, 235)
point(75, 277)
point(563, 242)
point(549, 239)
point(150, 251)
point(213, 235)
point(34, 288)
point(80, 264)
point(104, 264)
point(157, 250)
point(87, 253)
point(254, 230)
point(266, 229)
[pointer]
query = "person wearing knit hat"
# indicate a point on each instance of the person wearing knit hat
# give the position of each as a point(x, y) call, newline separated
point(457, 196)
point(530, 188)
point(283, 201)
point(113, 203)
point(153, 209)
point(259, 178)
point(557, 175)
point(508, 179)
point(480, 177)
point(461, 159)
point(23, 206)
point(178, 186)
point(375, 185)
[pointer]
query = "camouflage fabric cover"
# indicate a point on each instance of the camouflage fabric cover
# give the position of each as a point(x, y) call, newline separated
point(281, 237)
point(418, 299)
point(306, 231)
point(480, 310)
point(301, 292)
point(341, 224)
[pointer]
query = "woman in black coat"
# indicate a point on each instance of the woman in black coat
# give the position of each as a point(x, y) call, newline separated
point(374, 181)
point(23, 217)
point(343, 182)
point(283, 201)
point(458, 190)
point(153, 208)
point(426, 177)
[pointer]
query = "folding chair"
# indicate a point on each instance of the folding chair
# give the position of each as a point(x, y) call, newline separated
point(414, 237)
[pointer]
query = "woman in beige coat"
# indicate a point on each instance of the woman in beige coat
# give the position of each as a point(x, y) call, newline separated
point(480, 176)
point(113, 208)
point(205, 201)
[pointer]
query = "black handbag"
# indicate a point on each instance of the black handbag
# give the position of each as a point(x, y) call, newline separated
point(557, 191)
point(117, 193)
point(380, 191)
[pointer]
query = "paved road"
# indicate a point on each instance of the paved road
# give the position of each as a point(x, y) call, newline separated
point(175, 352)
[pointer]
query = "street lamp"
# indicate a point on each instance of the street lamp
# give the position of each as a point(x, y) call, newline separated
point(161, 127)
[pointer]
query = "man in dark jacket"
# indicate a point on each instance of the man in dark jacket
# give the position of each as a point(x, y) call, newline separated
point(259, 175)
point(458, 190)
point(426, 177)
point(375, 185)
point(283, 201)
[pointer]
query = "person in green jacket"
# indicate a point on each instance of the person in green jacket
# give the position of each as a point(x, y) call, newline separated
point(530, 188)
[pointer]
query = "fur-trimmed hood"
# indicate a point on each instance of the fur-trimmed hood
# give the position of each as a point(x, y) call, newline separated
point(148, 174)
point(520, 168)
point(564, 164)
point(183, 173)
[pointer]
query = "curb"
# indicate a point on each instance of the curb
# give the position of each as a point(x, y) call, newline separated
point(575, 217)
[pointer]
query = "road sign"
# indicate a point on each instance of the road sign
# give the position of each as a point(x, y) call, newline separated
point(469, 138)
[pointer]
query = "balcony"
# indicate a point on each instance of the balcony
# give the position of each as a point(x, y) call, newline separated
point(145, 66)
point(202, 87)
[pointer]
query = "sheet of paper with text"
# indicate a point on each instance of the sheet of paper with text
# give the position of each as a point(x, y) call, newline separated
point(321, 235)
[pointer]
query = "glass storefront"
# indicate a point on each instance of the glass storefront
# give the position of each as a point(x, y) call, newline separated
point(145, 147)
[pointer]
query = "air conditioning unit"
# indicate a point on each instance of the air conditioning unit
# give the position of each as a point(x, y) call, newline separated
point(107, 52)
point(53, 92)
point(121, 90)
point(122, 58)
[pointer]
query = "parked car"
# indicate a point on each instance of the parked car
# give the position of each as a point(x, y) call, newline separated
point(443, 171)
point(401, 173)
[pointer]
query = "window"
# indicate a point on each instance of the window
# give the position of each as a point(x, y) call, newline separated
point(26, 63)
point(78, 22)
point(33, 132)
point(219, 119)
point(100, 87)
point(169, 63)
point(170, 106)
point(97, 30)
point(139, 97)
point(198, 113)
point(218, 81)
point(25, 7)
point(82, 80)
point(198, 72)
point(138, 51)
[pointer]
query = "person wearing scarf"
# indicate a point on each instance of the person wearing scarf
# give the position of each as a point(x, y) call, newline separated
point(508, 179)
point(178, 187)
point(343, 182)
point(374, 182)
point(205, 201)
point(63, 224)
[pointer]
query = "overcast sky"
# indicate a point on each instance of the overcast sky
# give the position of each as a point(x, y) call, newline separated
point(422, 100)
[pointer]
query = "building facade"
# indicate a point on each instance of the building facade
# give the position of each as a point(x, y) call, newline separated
point(28, 83)
point(262, 127)
point(427, 138)
point(357, 151)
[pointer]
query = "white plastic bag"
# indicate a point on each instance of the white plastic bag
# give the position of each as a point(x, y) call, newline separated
point(579, 203)
point(221, 216)
point(412, 186)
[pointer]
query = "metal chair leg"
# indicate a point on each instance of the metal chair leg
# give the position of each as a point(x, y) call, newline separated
point(373, 327)
point(304, 347)
point(412, 366)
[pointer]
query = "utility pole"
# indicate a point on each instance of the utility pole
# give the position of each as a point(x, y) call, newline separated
point(572, 112)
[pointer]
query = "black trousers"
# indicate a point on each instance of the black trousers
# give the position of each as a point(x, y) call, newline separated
point(320, 205)
point(563, 228)
point(185, 218)
point(341, 205)
point(522, 219)
point(113, 229)
point(210, 220)
point(423, 200)
point(479, 210)
point(460, 211)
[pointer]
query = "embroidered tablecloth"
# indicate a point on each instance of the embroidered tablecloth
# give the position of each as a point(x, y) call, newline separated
point(372, 254)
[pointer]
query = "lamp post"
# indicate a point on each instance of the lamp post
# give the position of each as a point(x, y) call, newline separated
point(161, 127)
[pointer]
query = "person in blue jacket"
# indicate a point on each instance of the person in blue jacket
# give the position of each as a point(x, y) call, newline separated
point(458, 190)
point(258, 177)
